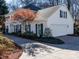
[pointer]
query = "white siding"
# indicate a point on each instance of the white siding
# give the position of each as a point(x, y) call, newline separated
point(63, 25)
point(58, 26)
point(33, 27)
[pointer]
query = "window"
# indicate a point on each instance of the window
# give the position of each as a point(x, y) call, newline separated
point(63, 14)
point(14, 28)
point(39, 29)
point(28, 27)
point(18, 28)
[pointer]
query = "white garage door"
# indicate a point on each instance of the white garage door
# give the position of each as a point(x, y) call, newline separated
point(59, 29)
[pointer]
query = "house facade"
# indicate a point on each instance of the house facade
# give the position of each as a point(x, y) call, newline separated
point(10, 24)
point(53, 21)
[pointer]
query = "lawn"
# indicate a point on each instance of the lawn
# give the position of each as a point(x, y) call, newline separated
point(8, 49)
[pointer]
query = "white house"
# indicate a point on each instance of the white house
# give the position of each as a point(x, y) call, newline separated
point(10, 24)
point(57, 20)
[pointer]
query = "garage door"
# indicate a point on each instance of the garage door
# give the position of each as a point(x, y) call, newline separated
point(59, 29)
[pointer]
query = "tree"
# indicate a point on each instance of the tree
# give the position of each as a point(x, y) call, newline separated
point(2, 24)
point(57, 2)
point(3, 7)
point(25, 2)
point(69, 4)
point(13, 7)
point(3, 11)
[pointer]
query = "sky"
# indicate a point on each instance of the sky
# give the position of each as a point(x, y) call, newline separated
point(8, 1)
point(11, 1)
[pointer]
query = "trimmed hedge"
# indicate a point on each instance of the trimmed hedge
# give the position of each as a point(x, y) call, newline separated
point(50, 40)
point(32, 36)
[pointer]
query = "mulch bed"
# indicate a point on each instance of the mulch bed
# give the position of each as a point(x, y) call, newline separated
point(9, 49)
point(10, 54)
point(74, 35)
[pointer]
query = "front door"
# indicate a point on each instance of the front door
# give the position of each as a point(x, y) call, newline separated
point(39, 30)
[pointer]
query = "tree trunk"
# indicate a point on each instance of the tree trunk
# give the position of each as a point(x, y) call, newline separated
point(69, 2)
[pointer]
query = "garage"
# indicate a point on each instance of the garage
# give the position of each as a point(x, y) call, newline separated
point(59, 29)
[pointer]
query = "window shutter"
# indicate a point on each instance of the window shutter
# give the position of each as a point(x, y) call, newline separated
point(36, 28)
point(41, 29)
point(29, 27)
point(60, 13)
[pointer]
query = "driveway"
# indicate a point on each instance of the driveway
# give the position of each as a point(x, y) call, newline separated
point(70, 39)
point(35, 50)
point(71, 43)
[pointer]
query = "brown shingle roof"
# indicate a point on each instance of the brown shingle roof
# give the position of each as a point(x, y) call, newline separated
point(24, 14)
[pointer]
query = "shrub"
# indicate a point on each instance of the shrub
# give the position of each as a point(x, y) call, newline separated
point(18, 33)
point(47, 38)
point(77, 30)
point(5, 44)
point(13, 33)
point(29, 35)
point(50, 40)
point(47, 32)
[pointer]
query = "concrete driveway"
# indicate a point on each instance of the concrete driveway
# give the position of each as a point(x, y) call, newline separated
point(35, 50)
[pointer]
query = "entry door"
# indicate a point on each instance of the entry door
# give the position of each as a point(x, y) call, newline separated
point(39, 29)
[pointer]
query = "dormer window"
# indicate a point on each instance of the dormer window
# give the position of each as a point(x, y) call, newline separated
point(63, 14)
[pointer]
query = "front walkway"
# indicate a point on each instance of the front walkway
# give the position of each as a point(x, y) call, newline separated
point(35, 50)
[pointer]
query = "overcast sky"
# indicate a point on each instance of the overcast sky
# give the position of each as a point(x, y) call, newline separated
point(8, 1)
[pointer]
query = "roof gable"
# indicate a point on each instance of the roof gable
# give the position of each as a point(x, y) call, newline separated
point(47, 12)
